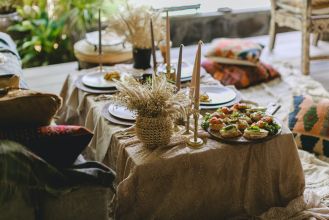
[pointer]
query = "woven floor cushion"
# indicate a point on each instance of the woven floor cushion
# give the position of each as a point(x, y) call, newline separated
point(319, 7)
point(27, 108)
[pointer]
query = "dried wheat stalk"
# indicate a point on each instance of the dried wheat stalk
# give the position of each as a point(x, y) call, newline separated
point(159, 100)
point(133, 22)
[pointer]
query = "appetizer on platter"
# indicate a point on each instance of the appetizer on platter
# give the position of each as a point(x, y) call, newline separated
point(204, 97)
point(230, 131)
point(241, 120)
point(216, 124)
point(111, 75)
point(254, 132)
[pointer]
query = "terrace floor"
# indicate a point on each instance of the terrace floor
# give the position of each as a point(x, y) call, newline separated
point(288, 48)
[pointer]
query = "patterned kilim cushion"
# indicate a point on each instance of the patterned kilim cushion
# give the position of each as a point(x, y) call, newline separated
point(309, 121)
point(59, 145)
point(236, 49)
point(239, 75)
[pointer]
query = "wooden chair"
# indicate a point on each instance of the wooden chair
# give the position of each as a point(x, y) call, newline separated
point(308, 16)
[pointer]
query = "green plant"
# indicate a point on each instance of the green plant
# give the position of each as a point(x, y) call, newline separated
point(43, 41)
point(9, 6)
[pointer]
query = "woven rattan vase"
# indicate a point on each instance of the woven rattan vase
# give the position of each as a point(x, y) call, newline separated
point(154, 132)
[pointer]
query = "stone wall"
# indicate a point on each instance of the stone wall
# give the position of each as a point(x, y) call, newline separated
point(192, 28)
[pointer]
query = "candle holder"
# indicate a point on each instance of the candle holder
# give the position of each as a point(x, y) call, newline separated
point(163, 49)
point(195, 141)
point(169, 72)
point(187, 124)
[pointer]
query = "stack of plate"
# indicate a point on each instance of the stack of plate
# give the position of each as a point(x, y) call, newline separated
point(219, 97)
point(119, 114)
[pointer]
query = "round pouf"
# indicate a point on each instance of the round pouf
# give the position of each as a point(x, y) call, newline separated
point(154, 132)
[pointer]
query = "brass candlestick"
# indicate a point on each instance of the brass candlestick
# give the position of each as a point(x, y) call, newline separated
point(195, 141)
point(171, 74)
point(188, 114)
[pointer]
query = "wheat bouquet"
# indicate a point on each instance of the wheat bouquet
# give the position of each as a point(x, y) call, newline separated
point(157, 106)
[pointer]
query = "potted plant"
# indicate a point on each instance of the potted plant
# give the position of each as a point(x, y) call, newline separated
point(157, 105)
point(8, 13)
point(133, 22)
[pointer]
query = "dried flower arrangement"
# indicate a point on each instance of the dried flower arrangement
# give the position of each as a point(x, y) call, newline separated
point(133, 22)
point(157, 100)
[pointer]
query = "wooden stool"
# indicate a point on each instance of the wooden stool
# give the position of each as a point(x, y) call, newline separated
point(308, 16)
point(88, 57)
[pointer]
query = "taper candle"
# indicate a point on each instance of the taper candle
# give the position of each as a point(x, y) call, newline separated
point(192, 85)
point(168, 41)
point(100, 41)
point(179, 68)
point(153, 48)
point(197, 78)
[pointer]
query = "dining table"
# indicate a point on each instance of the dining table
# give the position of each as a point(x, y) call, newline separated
point(216, 181)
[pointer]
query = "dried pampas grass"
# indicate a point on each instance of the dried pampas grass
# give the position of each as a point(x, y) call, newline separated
point(157, 100)
point(133, 22)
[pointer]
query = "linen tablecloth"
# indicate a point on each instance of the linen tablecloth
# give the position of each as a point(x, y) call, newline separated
point(216, 181)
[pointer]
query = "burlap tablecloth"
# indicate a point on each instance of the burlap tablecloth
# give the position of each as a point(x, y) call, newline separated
point(215, 182)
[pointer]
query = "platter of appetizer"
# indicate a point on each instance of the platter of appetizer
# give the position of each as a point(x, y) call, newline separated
point(241, 124)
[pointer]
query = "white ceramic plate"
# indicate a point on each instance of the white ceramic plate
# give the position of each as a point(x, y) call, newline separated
point(121, 112)
point(96, 80)
point(217, 95)
point(105, 113)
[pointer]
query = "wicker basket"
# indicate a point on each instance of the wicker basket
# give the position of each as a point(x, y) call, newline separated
point(154, 132)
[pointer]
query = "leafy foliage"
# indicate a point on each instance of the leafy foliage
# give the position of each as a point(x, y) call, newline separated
point(47, 32)
point(43, 41)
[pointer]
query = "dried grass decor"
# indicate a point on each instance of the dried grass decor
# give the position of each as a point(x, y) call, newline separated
point(155, 98)
point(157, 105)
point(133, 22)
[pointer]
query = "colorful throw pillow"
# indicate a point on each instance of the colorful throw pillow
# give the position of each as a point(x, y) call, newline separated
point(236, 49)
point(238, 75)
point(27, 108)
point(59, 145)
point(309, 121)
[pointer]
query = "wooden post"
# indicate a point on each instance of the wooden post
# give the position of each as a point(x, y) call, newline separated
point(306, 32)
point(273, 26)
